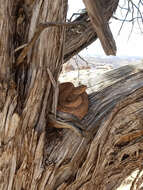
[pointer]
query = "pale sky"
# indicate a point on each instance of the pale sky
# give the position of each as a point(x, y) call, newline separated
point(125, 47)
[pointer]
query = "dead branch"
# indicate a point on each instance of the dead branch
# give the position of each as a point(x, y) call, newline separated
point(38, 31)
point(101, 26)
point(131, 11)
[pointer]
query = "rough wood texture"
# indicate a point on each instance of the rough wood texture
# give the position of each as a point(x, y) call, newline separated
point(78, 38)
point(33, 155)
point(114, 123)
point(25, 102)
point(6, 42)
point(115, 75)
point(101, 26)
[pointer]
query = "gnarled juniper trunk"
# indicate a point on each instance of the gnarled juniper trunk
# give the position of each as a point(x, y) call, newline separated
point(26, 89)
point(33, 155)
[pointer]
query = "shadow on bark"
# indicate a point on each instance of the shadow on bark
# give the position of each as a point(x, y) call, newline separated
point(113, 147)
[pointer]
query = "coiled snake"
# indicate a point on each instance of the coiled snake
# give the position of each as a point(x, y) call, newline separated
point(72, 107)
point(73, 100)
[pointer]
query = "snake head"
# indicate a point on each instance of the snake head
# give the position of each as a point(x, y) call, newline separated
point(79, 90)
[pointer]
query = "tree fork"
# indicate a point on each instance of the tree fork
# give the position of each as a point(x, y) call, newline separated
point(35, 156)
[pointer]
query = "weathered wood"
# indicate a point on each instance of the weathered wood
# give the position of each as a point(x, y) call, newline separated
point(114, 75)
point(6, 42)
point(101, 26)
point(26, 101)
point(114, 122)
point(78, 38)
point(33, 154)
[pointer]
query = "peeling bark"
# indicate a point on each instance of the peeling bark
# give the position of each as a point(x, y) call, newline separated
point(27, 96)
point(34, 155)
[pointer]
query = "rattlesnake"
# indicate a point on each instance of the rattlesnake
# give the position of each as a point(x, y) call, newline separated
point(73, 100)
point(72, 107)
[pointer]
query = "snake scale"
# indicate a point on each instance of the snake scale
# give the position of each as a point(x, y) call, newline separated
point(72, 107)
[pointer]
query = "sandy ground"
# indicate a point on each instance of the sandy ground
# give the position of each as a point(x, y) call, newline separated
point(89, 76)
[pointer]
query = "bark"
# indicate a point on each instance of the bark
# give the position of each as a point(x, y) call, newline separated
point(101, 26)
point(33, 155)
point(113, 148)
point(27, 94)
point(78, 38)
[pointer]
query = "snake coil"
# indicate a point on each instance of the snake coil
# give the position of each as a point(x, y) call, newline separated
point(72, 107)
point(73, 100)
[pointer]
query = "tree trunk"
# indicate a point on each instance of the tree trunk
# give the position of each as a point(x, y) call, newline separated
point(33, 155)
point(27, 91)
